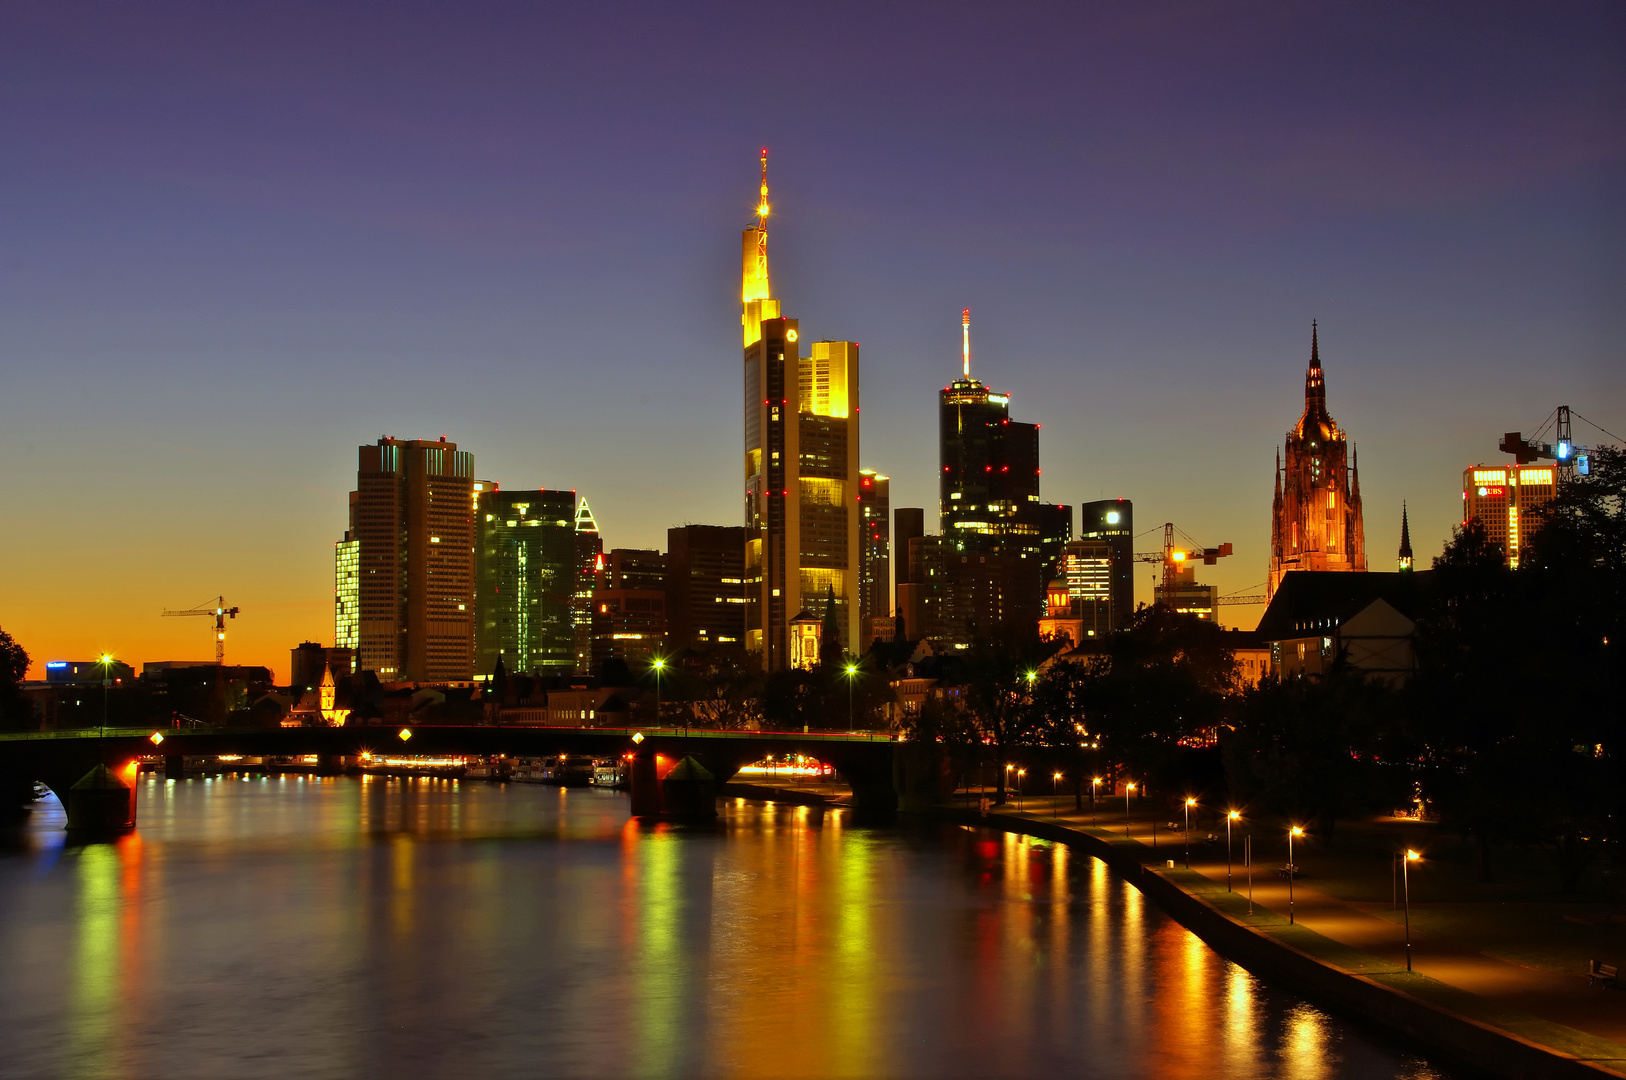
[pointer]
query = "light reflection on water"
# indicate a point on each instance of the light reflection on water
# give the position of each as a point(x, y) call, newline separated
point(306, 927)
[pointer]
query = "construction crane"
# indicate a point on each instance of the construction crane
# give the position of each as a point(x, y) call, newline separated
point(1173, 558)
point(1571, 459)
point(220, 612)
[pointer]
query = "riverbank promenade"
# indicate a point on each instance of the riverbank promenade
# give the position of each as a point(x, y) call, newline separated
point(1517, 966)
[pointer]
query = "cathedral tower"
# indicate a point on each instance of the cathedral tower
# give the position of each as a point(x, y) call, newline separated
point(1316, 518)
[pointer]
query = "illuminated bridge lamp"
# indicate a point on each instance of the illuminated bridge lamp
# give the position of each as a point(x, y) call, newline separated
point(404, 734)
point(637, 737)
point(156, 737)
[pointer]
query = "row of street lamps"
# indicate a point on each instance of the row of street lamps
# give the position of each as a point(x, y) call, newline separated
point(1231, 816)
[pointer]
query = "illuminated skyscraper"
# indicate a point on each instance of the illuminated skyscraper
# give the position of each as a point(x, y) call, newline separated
point(589, 575)
point(526, 566)
point(346, 587)
point(875, 592)
point(414, 530)
point(1110, 523)
point(989, 486)
point(1316, 516)
point(801, 464)
point(1501, 497)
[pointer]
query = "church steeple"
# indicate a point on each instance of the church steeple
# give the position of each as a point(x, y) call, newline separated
point(1315, 416)
point(1405, 540)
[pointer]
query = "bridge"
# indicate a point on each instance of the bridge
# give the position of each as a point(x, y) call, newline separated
point(92, 771)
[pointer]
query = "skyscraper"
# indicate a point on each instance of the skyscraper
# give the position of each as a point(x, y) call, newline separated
point(989, 484)
point(526, 568)
point(1502, 497)
point(875, 592)
point(414, 531)
point(589, 576)
point(705, 586)
point(346, 587)
point(801, 464)
point(1316, 516)
point(1111, 523)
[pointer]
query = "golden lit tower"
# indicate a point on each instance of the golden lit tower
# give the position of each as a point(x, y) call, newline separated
point(1316, 516)
point(801, 464)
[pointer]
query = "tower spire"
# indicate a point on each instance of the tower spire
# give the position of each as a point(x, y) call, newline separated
point(1405, 560)
point(762, 199)
point(965, 342)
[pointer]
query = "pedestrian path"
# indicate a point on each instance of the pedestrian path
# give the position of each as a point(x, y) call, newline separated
point(1559, 1010)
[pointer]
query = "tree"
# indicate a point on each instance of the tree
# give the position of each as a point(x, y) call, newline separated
point(13, 669)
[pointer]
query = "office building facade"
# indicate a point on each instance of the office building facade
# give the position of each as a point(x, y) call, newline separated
point(414, 531)
point(705, 586)
point(1109, 526)
point(1503, 497)
point(589, 578)
point(875, 567)
point(527, 569)
point(801, 464)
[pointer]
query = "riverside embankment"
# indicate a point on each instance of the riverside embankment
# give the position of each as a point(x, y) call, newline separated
point(1487, 1013)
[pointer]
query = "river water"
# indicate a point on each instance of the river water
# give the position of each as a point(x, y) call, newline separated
point(303, 927)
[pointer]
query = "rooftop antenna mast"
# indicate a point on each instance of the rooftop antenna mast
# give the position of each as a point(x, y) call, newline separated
point(762, 201)
point(965, 342)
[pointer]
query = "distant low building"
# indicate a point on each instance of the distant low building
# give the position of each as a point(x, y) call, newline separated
point(1318, 619)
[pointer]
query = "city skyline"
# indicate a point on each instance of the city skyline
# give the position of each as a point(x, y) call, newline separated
point(180, 300)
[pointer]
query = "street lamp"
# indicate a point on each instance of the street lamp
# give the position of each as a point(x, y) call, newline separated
point(1019, 774)
point(1230, 817)
point(1055, 778)
point(1411, 857)
point(852, 671)
point(1190, 802)
point(1095, 789)
point(658, 665)
point(1128, 787)
point(106, 661)
point(1008, 770)
point(1292, 870)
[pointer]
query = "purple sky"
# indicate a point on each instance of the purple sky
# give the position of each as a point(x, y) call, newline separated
point(236, 241)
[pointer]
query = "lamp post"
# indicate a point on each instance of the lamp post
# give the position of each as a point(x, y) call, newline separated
point(1190, 802)
point(1128, 788)
point(852, 671)
point(1411, 857)
point(658, 664)
point(1019, 774)
point(1095, 789)
point(106, 661)
point(1292, 870)
point(1230, 817)
point(1055, 779)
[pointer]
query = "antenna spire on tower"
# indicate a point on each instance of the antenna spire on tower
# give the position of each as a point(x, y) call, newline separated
point(965, 342)
point(762, 201)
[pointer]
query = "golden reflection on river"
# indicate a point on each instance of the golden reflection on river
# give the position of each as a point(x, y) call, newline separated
point(303, 927)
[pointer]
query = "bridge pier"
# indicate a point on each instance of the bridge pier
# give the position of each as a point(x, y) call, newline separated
point(101, 802)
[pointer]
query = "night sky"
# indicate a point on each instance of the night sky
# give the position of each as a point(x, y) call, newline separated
point(237, 241)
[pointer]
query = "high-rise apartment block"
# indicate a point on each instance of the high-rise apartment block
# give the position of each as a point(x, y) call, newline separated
point(801, 464)
point(1502, 498)
point(705, 586)
point(414, 530)
point(526, 569)
point(875, 568)
point(1316, 517)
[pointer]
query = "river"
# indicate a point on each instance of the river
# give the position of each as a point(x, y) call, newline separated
point(307, 927)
